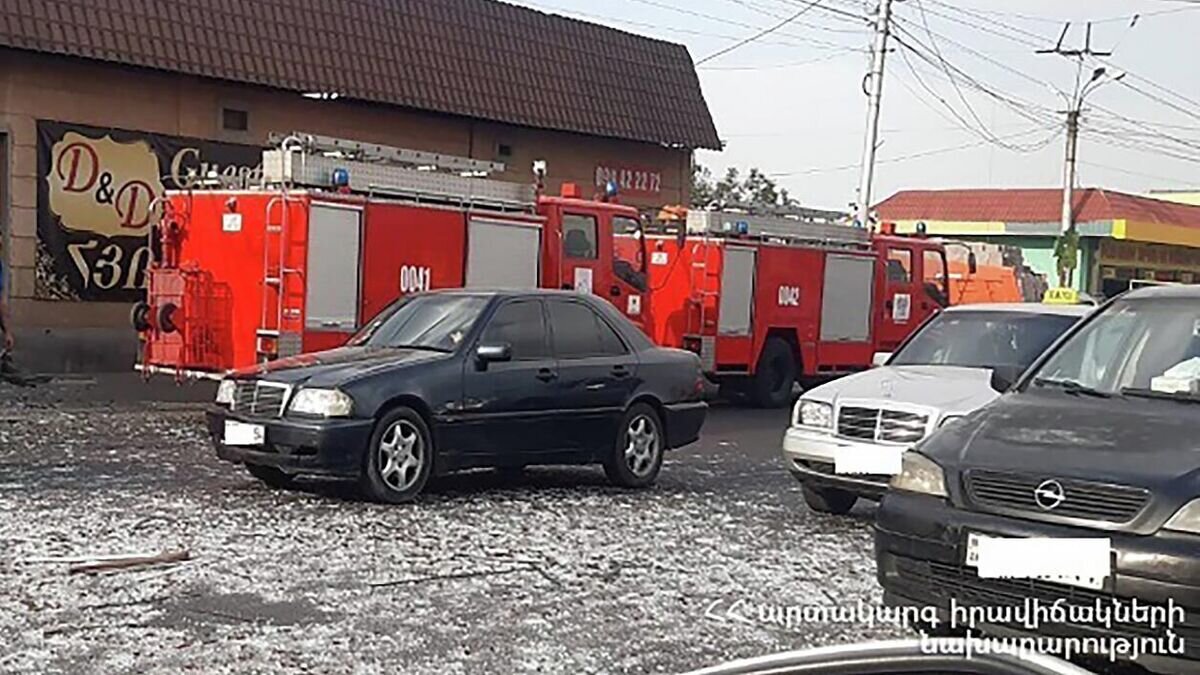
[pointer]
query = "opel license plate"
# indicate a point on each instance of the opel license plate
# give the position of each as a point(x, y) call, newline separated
point(240, 433)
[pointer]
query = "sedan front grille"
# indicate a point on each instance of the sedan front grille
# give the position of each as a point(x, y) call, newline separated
point(1076, 499)
point(876, 424)
point(261, 398)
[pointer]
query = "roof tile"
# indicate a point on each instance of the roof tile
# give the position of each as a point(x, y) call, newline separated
point(445, 56)
point(1033, 206)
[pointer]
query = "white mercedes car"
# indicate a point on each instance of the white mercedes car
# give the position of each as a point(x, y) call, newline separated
point(847, 436)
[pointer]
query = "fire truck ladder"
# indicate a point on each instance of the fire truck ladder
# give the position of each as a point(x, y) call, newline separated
point(325, 162)
point(706, 284)
point(270, 332)
point(784, 230)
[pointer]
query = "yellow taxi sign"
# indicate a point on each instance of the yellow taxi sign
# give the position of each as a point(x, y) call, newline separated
point(1061, 296)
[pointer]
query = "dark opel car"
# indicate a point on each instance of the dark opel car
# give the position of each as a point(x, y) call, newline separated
point(457, 379)
point(1099, 439)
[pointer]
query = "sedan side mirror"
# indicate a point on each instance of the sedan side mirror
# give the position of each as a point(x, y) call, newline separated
point(494, 353)
point(1004, 377)
point(881, 358)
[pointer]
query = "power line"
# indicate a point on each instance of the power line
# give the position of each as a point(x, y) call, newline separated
point(989, 14)
point(1140, 146)
point(763, 33)
point(844, 14)
point(900, 158)
point(729, 22)
point(768, 10)
point(777, 66)
point(946, 69)
point(1136, 173)
point(983, 132)
point(1026, 109)
point(671, 29)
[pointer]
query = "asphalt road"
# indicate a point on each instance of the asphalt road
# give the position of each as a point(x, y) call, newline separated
point(555, 572)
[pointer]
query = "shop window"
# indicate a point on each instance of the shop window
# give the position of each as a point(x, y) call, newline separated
point(234, 119)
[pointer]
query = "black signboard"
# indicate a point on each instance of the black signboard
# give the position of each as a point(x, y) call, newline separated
point(96, 192)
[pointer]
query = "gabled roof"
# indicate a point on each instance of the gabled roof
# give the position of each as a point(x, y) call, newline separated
point(1033, 206)
point(474, 58)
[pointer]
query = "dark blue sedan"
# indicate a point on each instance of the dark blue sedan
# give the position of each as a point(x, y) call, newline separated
point(451, 380)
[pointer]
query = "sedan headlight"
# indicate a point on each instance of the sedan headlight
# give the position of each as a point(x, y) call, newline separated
point(226, 391)
point(321, 402)
point(814, 414)
point(919, 474)
point(1186, 519)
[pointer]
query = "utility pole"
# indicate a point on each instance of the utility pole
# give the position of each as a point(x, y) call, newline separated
point(874, 94)
point(1068, 219)
point(1066, 249)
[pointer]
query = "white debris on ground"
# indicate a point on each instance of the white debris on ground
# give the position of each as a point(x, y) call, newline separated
point(552, 573)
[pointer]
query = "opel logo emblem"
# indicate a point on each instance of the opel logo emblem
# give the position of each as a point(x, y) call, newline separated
point(1049, 494)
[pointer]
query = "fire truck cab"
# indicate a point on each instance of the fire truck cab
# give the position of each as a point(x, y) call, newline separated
point(342, 229)
point(769, 301)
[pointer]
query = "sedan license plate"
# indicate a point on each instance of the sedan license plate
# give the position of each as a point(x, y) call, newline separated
point(977, 553)
point(240, 433)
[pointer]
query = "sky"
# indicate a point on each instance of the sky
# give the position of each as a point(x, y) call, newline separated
point(966, 100)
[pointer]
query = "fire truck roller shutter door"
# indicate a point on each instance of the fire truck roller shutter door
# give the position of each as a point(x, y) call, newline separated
point(737, 291)
point(846, 298)
point(503, 254)
point(332, 277)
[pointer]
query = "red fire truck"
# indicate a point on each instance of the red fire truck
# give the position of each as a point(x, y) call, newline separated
point(340, 230)
point(766, 301)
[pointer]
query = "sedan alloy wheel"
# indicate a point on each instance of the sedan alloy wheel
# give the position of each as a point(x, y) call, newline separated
point(642, 447)
point(401, 455)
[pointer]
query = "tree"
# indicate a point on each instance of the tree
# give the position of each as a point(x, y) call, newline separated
point(756, 189)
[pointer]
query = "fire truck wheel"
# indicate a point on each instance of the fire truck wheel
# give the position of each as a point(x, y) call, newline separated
point(399, 458)
point(637, 455)
point(166, 318)
point(139, 316)
point(829, 500)
point(773, 379)
point(271, 476)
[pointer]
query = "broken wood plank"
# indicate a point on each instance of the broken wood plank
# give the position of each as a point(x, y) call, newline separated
point(129, 562)
point(444, 577)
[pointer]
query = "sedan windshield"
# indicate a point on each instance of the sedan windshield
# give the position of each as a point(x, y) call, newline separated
point(434, 322)
point(1129, 349)
point(983, 339)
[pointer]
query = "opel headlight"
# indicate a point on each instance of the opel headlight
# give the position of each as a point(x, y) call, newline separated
point(1186, 519)
point(226, 391)
point(814, 414)
point(321, 402)
point(919, 474)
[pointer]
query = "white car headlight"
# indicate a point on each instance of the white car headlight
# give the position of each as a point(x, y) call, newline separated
point(322, 402)
point(226, 391)
point(919, 474)
point(1186, 519)
point(814, 414)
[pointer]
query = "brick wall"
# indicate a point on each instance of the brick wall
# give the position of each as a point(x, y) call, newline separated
point(83, 336)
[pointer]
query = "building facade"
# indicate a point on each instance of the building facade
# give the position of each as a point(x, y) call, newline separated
point(95, 122)
point(1123, 238)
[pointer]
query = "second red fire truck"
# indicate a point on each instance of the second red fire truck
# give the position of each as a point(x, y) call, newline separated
point(766, 301)
point(341, 229)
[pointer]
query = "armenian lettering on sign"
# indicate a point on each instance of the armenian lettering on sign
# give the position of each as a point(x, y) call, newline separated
point(629, 180)
point(96, 193)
